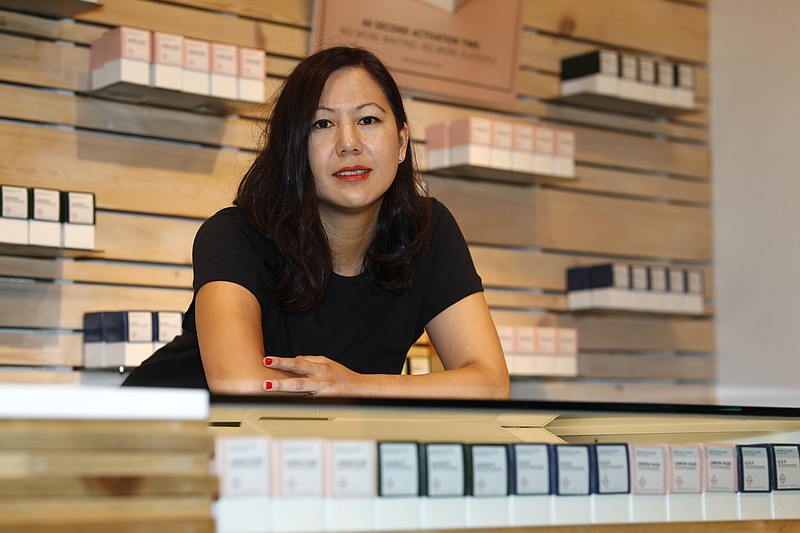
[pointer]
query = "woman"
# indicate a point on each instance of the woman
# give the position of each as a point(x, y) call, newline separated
point(332, 261)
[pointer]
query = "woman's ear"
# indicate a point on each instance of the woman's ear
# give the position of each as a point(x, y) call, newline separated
point(403, 135)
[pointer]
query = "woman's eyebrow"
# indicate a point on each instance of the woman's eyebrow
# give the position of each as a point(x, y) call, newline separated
point(359, 107)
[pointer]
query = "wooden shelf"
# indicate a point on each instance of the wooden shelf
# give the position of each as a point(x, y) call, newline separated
point(29, 250)
point(50, 8)
point(495, 174)
point(623, 105)
point(141, 94)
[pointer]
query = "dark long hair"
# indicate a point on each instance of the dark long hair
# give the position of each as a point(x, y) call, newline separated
point(277, 195)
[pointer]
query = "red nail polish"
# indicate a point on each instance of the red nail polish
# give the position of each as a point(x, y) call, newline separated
point(268, 361)
point(267, 385)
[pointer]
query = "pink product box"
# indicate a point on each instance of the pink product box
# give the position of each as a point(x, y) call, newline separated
point(470, 142)
point(544, 150)
point(121, 55)
point(649, 481)
point(502, 143)
point(196, 67)
point(522, 148)
point(224, 71)
point(351, 484)
point(686, 483)
point(252, 74)
point(437, 145)
point(297, 467)
point(564, 163)
point(166, 67)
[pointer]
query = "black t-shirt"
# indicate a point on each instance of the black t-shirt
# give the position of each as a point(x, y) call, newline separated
point(365, 328)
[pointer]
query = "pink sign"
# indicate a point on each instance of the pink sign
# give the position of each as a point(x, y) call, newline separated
point(466, 49)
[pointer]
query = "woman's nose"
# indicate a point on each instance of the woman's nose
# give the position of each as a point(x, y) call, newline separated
point(348, 139)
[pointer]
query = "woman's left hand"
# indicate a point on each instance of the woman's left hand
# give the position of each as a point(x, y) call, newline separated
point(320, 376)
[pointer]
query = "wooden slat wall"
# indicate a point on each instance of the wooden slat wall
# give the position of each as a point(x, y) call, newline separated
point(642, 193)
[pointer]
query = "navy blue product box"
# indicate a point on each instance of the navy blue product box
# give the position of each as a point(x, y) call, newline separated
point(485, 478)
point(435, 470)
point(530, 468)
point(94, 326)
point(404, 456)
point(755, 467)
point(579, 452)
point(601, 276)
point(578, 278)
point(784, 456)
point(597, 62)
point(611, 474)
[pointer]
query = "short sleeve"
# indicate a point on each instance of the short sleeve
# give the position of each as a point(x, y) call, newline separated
point(450, 274)
point(227, 248)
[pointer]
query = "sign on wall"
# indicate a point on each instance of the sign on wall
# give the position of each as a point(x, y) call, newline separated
point(464, 49)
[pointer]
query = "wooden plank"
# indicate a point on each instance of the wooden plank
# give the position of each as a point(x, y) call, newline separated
point(559, 220)
point(155, 16)
point(62, 30)
point(125, 173)
point(103, 115)
point(623, 333)
point(539, 389)
point(66, 303)
point(143, 524)
point(525, 300)
point(674, 30)
point(644, 367)
point(87, 487)
point(43, 63)
point(41, 349)
point(544, 52)
point(39, 376)
point(296, 12)
point(129, 237)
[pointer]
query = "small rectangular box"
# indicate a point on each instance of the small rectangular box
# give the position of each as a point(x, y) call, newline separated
point(166, 67)
point(242, 465)
point(94, 340)
point(522, 148)
point(166, 326)
point(14, 214)
point(755, 473)
point(437, 145)
point(125, 57)
point(224, 71)
point(129, 337)
point(611, 285)
point(665, 82)
point(531, 483)
point(298, 484)
point(445, 486)
point(640, 288)
point(470, 142)
point(694, 296)
point(573, 488)
point(649, 472)
point(683, 94)
point(196, 67)
point(546, 341)
point(502, 143)
point(78, 220)
point(657, 295)
point(579, 288)
point(594, 73)
point(785, 481)
point(564, 162)
point(350, 484)
point(676, 289)
point(44, 217)
point(629, 86)
point(686, 483)
point(544, 150)
point(611, 502)
point(647, 79)
point(525, 339)
point(488, 485)
point(400, 480)
point(720, 500)
point(252, 74)
point(507, 339)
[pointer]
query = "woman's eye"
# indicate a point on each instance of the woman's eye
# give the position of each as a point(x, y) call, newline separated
point(322, 123)
point(369, 120)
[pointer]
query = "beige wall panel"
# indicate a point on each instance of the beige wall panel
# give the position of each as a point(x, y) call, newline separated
point(544, 52)
point(507, 299)
point(64, 29)
point(49, 305)
point(675, 30)
point(612, 392)
point(601, 180)
point(296, 12)
point(41, 349)
point(558, 220)
point(133, 238)
point(125, 173)
point(99, 271)
point(640, 366)
point(43, 63)
point(105, 115)
point(199, 24)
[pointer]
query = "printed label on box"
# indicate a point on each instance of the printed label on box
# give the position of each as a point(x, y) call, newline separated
point(787, 467)
point(243, 465)
point(755, 469)
point(46, 205)
point(301, 468)
point(15, 202)
point(650, 469)
point(721, 468)
point(140, 326)
point(686, 471)
point(352, 468)
point(489, 470)
point(80, 208)
point(613, 476)
point(399, 464)
point(532, 469)
point(445, 469)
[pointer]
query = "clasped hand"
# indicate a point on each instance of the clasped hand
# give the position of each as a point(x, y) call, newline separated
point(316, 375)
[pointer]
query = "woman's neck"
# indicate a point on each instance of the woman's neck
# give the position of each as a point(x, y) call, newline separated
point(349, 236)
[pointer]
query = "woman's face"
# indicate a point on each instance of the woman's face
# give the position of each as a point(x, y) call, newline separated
point(355, 144)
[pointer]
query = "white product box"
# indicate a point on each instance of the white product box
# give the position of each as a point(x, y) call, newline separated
point(437, 145)
point(166, 326)
point(564, 161)
point(487, 504)
point(502, 143)
point(44, 226)
point(298, 470)
point(573, 502)
point(122, 55)
point(755, 502)
point(14, 214)
point(647, 79)
point(685, 502)
point(470, 142)
point(786, 481)
point(657, 296)
point(683, 95)
point(252, 74)
point(445, 506)
point(649, 471)
point(224, 71)
point(544, 150)
point(399, 502)
point(522, 148)
point(78, 226)
point(611, 504)
point(640, 288)
point(350, 488)
point(665, 82)
point(166, 67)
point(629, 86)
point(129, 338)
point(196, 67)
point(720, 501)
point(531, 501)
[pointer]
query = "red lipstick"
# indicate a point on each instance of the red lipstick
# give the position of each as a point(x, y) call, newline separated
point(352, 173)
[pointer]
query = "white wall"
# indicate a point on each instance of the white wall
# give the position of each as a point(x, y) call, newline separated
point(755, 95)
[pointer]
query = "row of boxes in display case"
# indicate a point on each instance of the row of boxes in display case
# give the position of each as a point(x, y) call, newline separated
point(47, 217)
point(540, 351)
point(514, 151)
point(610, 78)
point(123, 339)
point(139, 65)
point(272, 484)
point(636, 287)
